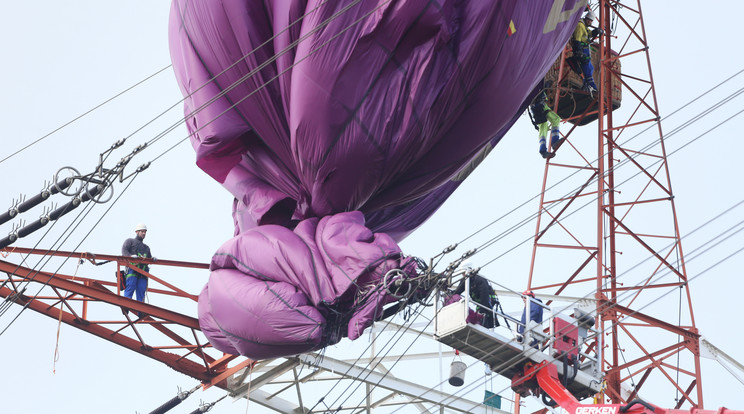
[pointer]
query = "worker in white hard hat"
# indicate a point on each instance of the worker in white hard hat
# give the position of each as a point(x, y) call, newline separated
point(136, 247)
point(580, 43)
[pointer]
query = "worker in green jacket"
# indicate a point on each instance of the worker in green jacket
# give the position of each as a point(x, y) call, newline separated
point(542, 116)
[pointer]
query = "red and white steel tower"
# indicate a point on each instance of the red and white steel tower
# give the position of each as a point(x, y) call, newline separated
point(607, 227)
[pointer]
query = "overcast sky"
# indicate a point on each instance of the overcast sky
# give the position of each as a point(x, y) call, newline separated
point(63, 58)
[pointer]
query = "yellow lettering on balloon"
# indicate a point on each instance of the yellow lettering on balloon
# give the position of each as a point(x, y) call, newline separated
point(558, 15)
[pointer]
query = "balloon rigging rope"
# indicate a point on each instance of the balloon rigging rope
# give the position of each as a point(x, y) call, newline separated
point(400, 331)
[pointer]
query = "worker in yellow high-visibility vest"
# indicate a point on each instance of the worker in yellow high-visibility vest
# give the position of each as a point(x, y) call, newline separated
point(580, 43)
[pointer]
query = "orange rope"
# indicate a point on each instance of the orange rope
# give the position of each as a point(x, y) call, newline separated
point(59, 327)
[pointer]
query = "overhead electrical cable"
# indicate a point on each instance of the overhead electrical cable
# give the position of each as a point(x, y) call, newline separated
point(389, 344)
point(719, 262)
point(60, 243)
point(718, 239)
point(187, 137)
point(319, 27)
point(674, 131)
point(692, 255)
point(84, 114)
point(24, 284)
point(158, 72)
point(593, 200)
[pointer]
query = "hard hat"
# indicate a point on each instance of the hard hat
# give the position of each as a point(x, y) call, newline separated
point(139, 227)
point(590, 15)
point(528, 293)
point(465, 266)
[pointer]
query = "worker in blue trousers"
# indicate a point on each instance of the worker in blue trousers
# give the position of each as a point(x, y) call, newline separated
point(580, 43)
point(136, 247)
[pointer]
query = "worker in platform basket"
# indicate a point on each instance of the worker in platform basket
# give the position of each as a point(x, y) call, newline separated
point(481, 293)
point(136, 247)
point(536, 314)
point(541, 116)
point(580, 43)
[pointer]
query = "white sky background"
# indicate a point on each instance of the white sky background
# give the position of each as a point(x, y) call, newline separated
point(62, 58)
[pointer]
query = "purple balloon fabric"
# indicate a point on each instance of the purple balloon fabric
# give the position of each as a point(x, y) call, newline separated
point(307, 109)
point(273, 290)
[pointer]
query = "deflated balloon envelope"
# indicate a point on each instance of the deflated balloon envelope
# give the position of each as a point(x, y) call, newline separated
point(339, 127)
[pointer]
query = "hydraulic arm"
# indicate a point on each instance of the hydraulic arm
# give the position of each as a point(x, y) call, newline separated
point(542, 380)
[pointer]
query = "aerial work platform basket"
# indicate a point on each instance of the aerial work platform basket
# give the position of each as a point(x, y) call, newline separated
point(506, 356)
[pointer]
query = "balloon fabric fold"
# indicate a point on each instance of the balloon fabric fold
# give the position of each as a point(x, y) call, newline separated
point(339, 127)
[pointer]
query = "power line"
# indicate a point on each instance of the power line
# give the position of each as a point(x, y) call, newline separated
point(153, 160)
point(668, 135)
point(691, 258)
point(532, 216)
point(89, 209)
point(85, 113)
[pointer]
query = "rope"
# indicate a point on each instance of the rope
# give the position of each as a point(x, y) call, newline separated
point(59, 325)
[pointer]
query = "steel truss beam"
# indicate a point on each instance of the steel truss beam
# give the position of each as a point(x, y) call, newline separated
point(331, 369)
point(174, 339)
point(96, 306)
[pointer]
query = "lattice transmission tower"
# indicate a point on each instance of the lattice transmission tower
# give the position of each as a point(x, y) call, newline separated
point(607, 227)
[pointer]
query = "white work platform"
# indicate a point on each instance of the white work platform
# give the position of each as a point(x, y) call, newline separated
point(504, 355)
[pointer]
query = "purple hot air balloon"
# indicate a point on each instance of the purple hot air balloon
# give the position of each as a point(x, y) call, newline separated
point(340, 127)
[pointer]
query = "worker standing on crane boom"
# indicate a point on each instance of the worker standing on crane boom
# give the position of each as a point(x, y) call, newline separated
point(136, 247)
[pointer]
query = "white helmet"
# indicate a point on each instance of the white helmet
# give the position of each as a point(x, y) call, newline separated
point(590, 15)
point(465, 266)
point(139, 227)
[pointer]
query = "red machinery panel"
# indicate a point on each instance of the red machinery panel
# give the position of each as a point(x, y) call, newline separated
point(566, 337)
